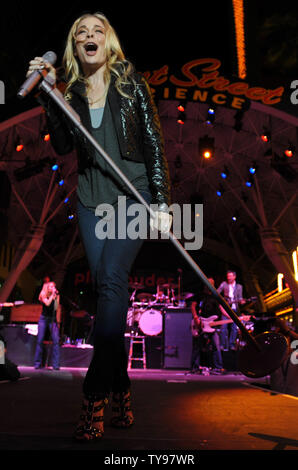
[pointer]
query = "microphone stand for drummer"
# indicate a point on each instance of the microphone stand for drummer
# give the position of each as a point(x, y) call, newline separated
point(262, 354)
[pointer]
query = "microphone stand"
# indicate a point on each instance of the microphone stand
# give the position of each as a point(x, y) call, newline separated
point(48, 86)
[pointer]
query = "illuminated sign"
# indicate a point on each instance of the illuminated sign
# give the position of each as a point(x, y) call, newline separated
point(200, 81)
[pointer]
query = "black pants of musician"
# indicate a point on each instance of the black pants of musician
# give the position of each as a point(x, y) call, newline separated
point(110, 261)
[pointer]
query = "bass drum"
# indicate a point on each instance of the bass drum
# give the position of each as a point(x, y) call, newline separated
point(150, 322)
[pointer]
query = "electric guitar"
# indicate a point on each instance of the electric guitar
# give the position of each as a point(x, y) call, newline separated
point(206, 324)
point(230, 301)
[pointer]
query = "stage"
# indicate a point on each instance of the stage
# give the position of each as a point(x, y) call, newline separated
point(174, 410)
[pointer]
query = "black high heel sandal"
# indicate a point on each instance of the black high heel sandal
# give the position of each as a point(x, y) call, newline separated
point(91, 425)
point(124, 417)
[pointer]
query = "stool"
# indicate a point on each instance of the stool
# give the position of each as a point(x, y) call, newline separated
point(133, 341)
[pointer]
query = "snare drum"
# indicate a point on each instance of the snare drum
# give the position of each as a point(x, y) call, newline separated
point(151, 322)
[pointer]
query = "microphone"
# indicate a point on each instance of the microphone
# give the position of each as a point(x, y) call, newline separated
point(36, 76)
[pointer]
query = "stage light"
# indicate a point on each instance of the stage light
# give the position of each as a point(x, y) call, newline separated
point(66, 200)
point(61, 182)
point(181, 113)
point(55, 167)
point(206, 147)
point(19, 147)
point(253, 168)
point(210, 115)
point(225, 173)
point(249, 183)
point(207, 154)
point(220, 191)
point(234, 218)
point(266, 135)
point(70, 216)
point(181, 118)
point(46, 137)
point(289, 151)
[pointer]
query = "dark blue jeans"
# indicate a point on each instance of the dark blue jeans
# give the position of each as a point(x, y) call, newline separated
point(197, 345)
point(110, 261)
point(44, 323)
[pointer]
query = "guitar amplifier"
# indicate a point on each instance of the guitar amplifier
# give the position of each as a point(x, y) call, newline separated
point(177, 338)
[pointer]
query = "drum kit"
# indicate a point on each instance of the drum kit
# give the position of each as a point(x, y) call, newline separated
point(145, 315)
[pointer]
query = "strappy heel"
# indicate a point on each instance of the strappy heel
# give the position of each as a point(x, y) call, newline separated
point(123, 417)
point(91, 426)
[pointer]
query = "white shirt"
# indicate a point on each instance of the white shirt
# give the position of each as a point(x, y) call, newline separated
point(231, 295)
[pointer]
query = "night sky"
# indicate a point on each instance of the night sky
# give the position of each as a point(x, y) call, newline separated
point(151, 36)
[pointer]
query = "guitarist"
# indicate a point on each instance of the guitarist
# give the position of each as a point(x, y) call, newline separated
point(233, 293)
point(205, 341)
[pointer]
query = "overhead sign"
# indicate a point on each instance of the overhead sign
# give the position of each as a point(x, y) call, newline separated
point(200, 81)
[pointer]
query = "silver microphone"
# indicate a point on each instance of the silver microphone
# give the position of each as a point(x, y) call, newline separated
point(36, 76)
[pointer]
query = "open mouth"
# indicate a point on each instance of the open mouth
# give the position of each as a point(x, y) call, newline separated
point(90, 48)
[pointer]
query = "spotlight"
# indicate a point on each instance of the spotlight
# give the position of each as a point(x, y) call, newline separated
point(181, 113)
point(206, 146)
point(253, 168)
point(289, 151)
point(45, 136)
point(266, 135)
point(19, 147)
point(225, 173)
point(249, 183)
point(181, 118)
point(61, 182)
point(220, 191)
point(55, 167)
point(210, 115)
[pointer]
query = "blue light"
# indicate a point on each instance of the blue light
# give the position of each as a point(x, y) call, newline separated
point(234, 218)
point(219, 193)
point(248, 184)
point(224, 175)
point(252, 170)
point(61, 182)
point(71, 216)
point(211, 111)
point(55, 167)
point(66, 200)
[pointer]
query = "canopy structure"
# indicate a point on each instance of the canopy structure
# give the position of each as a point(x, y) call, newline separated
point(247, 187)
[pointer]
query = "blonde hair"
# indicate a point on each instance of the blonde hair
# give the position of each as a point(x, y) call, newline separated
point(115, 62)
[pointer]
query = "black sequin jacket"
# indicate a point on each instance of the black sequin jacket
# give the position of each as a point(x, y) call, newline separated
point(137, 126)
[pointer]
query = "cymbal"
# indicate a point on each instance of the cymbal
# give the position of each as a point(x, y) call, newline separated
point(136, 285)
point(145, 296)
point(169, 286)
point(186, 295)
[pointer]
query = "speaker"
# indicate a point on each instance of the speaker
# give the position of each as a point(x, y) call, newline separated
point(177, 346)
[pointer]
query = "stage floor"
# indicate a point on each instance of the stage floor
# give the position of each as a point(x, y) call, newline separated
point(173, 411)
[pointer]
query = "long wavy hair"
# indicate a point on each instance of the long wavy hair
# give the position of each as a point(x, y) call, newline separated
point(116, 62)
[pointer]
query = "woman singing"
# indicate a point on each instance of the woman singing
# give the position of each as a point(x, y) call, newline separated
point(115, 105)
point(50, 318)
